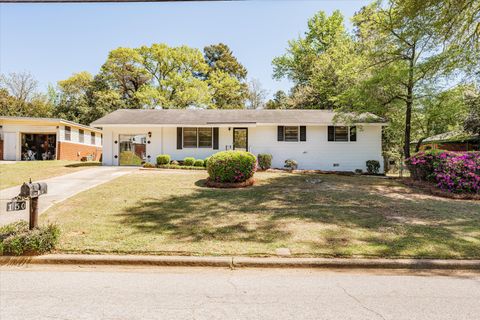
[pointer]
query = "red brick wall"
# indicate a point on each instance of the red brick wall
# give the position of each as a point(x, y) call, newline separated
point(1, 149)
point(75, 151)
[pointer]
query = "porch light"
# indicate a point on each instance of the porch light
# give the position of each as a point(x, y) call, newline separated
point(149, 135)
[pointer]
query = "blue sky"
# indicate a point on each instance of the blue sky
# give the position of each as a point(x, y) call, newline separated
point(53, 41)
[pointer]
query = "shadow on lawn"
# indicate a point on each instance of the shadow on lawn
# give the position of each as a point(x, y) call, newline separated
point(346, 206)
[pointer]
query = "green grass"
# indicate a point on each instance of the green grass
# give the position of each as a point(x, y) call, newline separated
point(173, 213)
point(20, 172)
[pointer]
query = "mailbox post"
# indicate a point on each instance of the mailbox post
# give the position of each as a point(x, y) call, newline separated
point(32, 191)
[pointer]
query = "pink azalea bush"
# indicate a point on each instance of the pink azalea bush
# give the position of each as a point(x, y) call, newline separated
point(457, 172)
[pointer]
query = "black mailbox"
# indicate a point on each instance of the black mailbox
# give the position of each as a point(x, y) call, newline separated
point(33, 190)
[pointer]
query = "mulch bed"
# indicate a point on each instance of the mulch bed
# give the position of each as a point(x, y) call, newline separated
point(246, 183)
point(430, 188)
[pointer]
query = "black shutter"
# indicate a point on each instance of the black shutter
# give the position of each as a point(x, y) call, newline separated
point(280, 133)
point(353, 133)
point(303, 133)
point(215, 138)
point(179, 138)
point(331, 133)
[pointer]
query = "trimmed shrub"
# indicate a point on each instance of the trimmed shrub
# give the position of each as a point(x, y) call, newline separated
point(205, 162)
point(17, 239)
point(198, 163)
point(231, 166)
point(189, 161)
point(264, 161)
point(373, 167)
point(163, 159)
point(148, 165)
point(358, 171)
point(291, 164)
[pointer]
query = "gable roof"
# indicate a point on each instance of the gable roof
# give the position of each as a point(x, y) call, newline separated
point(44, 121)
point(219, 117)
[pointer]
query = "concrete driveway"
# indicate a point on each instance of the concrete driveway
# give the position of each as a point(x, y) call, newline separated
point(61, 188)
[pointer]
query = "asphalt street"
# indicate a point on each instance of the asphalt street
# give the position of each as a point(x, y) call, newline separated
point(74, 292)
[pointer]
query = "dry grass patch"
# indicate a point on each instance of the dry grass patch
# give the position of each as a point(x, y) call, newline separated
point(17, 173)
point(169, 213)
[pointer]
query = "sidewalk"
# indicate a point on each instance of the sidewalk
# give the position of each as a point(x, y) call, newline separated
point(243, 262)
point(61, 188)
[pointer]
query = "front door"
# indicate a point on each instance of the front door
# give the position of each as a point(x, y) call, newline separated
point(240, 139)
point(132, 149)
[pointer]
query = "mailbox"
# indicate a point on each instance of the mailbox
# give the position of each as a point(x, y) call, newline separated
point(33, 190)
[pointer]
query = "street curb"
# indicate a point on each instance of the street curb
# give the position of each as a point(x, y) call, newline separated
point(242, 262)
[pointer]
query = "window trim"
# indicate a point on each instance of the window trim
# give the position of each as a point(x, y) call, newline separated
point(68, 133)
point(349, 134)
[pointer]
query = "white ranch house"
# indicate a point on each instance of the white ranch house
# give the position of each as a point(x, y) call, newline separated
point(311, 137)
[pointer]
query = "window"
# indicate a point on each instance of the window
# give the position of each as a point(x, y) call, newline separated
point(189, 137)
point(291, 133)
point(92, 138)
point(342, 133)
point(197, 137)
point(204, 137)
point(68, 133)
point(80, 135)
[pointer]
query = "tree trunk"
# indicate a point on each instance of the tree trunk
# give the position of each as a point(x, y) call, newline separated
point(409, 104)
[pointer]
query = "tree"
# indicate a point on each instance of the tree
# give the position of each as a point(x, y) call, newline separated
point(220, 57)
point(225, 77)
point(472, 121)
point(22, 85)
point(256, 95)
point(175, 77)
point(279, 101)
point(320, 64)
point(125, 73)
point(227, 91)
point(19, 97)
point(406, 56)
point(83, 98)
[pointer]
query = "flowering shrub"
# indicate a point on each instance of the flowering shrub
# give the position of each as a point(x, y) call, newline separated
point(231, 166)
point(421, 165)
point(457, 172)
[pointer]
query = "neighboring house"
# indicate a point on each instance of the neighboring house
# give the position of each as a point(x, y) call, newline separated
point(310, 137)
point(452, 141)
point(25, 138)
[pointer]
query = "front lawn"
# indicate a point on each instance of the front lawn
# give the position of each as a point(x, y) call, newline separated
point(17, 173)
point(172, 212)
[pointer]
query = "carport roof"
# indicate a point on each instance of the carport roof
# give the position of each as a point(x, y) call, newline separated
point(217, 117)
point(38, 121)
